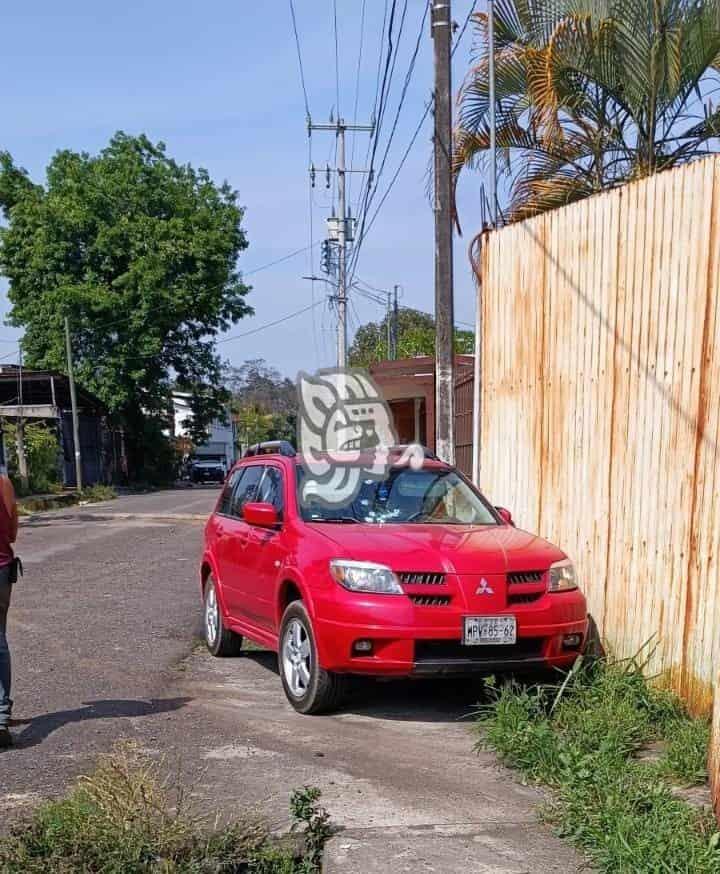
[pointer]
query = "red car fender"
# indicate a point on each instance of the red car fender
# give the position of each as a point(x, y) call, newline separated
point(209, 562)
point(291, 576)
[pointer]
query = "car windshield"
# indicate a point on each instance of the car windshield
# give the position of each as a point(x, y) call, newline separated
point(424, 496)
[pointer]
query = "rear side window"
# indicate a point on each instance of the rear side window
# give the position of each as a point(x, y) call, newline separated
point(224, 502)
point(247, 489)
point(271, 488)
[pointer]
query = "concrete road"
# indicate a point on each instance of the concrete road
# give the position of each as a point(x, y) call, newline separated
point(104, 634)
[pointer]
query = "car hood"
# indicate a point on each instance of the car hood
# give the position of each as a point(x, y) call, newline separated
point(460, 549)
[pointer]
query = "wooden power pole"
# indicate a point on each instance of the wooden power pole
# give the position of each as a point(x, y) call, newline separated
point(441, 23)
point(73, 404)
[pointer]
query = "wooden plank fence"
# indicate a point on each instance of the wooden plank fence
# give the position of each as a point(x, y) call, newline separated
point(601, 407)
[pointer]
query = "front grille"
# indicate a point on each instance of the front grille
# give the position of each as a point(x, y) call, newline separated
point(527, 598)
point(413, 578)
point(520, 577)
point(430, 600)
point(453, 650)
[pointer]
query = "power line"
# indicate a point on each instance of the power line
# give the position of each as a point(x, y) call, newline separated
point(366, 226)
point(404, 158)
point(249, 333)
point(210, 288)
point(299, 57)
point(377, 94)
point(401, 102)
point(357, 95)
point(280, 260)
point(459, 37)
point(408, 76)
point(381, 105)
point(270, 324)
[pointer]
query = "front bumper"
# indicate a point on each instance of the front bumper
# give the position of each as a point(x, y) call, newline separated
point(428, 641)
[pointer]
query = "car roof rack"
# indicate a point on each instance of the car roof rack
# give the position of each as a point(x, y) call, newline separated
point(271, 447)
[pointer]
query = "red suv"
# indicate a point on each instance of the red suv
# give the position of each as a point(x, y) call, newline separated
point(418, 575)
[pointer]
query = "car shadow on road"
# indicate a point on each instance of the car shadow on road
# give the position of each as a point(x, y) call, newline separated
point(41, 727)
point(449, 700)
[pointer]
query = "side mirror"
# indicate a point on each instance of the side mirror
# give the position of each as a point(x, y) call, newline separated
point(260, 514)
point(505, 515)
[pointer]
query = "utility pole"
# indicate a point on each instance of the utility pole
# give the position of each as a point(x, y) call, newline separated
point(492, 187)
point(395, 325)
point(343, 228)
point(20, 430)
point(491, 111)
point(342, 251)
point(441, 23)
point(73, 404)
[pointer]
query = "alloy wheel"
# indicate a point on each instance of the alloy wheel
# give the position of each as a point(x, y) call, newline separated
point(296, 658)
point(212, 617)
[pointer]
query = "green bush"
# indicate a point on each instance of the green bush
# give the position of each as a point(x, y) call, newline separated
point(580, 738)
point(99, 492)
point(42, 453)
point(124, 819)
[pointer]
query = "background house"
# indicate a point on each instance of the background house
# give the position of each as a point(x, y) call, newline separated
point(44, 396)
point(408, 386)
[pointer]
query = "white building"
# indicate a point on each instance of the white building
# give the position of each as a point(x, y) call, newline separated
point(221, 440)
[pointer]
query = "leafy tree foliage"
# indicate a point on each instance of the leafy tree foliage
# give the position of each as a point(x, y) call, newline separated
point(591, 94)
point(140, 253)
point(42, 452)
point(416, 336)
point(264, 402)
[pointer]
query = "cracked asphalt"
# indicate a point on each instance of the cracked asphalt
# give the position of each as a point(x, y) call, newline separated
point(104, 633)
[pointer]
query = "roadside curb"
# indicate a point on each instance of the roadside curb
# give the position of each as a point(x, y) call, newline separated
point(101, 515)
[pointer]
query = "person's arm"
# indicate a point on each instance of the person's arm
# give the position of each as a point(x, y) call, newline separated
point(7, 492)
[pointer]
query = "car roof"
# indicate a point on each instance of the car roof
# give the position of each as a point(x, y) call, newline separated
point(297, 460)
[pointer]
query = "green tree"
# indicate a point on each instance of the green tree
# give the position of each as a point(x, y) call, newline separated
point(264, 402)
point(416, 336)
point(140, 252)
point(42, 451)
point(591, 94)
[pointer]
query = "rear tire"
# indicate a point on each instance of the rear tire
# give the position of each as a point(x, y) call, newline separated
point(220, 641)
point(308, 687)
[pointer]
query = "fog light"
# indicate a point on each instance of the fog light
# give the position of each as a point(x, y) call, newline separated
point(572, 641)
point(362, 646)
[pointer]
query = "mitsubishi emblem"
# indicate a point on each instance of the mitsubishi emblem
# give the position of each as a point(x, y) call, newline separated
point(484, 588)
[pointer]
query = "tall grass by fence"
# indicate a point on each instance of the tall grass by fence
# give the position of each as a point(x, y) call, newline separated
point(601, 406)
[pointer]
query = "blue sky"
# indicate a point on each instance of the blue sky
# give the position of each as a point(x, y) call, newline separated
point(218, 82)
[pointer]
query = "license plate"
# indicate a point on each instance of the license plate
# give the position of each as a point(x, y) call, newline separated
point(489, 629)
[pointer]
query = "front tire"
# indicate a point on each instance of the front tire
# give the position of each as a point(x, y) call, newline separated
point(220, 641)
point(308, 686)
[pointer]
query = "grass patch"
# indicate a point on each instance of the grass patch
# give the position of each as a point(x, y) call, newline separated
point(580, 739)
point(98, 492)
point(125, 819)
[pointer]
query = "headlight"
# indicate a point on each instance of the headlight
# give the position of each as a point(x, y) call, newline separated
point(562, 576)
point(363, 576)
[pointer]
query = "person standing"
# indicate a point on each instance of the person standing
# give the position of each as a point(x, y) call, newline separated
point(8, 535)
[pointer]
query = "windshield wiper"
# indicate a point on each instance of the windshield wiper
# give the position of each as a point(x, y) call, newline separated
point(340, 520)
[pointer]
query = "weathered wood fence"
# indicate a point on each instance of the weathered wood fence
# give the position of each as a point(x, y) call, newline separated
point(601, 407)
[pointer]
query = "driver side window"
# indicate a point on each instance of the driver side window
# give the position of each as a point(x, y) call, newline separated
point(271, 489)
point(246, 489)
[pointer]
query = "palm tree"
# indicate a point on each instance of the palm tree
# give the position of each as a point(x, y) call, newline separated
point(591, 94)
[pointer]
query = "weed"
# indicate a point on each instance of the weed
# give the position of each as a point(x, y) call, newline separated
point(124, 819)
point(685, 756)
point(580, 739)
point(98, 492)
point(310, 816)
